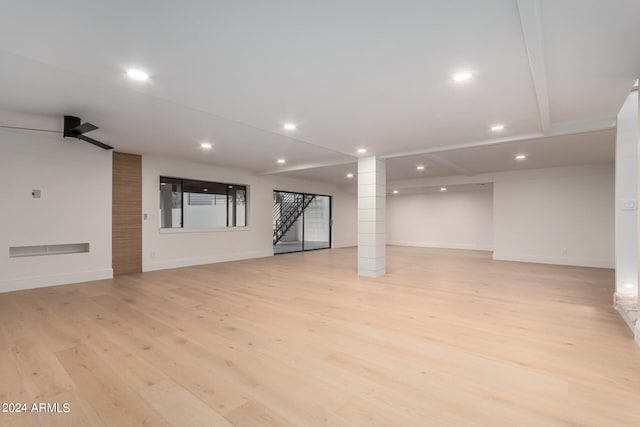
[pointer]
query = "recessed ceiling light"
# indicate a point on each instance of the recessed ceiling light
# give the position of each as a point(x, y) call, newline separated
point(349, 175)
point(395, 191)
point(362, 150)
point(206, 189)
point(420, 168)
point(497, 127)
point(443, 188)
point(282, 161)
point(206, 145)
point(290, 126)
point(461, 77)
point(163, 183)
point(521, 157)
point(138, 75)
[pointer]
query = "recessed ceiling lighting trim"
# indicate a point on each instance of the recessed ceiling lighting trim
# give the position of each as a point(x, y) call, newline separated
point(282, 161)
point(290, 126)
point(206, 145)
point(497, 127)
point(362, 150)
point(443, 188)
point(521, 157)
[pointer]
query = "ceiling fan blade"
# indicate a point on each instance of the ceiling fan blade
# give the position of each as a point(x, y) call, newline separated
point(94, 142)
point(84, 128)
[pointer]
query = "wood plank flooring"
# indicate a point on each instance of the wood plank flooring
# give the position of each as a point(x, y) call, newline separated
point(446, 338)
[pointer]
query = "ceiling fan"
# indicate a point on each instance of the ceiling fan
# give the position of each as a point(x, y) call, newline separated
point(74, 129)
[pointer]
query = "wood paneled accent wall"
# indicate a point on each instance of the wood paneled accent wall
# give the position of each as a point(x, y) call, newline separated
point(127, 214)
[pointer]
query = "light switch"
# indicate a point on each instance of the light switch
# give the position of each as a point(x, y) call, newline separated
point(629, 204)
point(35, 194)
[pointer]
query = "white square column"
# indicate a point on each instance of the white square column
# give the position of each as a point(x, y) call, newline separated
point(371, 217)
point(626, 212)
point(626, 199)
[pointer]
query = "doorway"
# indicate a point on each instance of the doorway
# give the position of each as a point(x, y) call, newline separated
point(301, 222)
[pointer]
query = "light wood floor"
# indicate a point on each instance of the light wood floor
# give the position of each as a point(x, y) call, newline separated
point(447, 338)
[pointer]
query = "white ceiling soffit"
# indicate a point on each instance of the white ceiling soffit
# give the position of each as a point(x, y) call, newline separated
point(563, 150)
point(335, 174)
point(457, 188)
point(349, 74)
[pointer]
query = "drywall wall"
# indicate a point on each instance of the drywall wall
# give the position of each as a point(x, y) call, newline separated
point(182, 247)
point(75, 207)
point(460, 220)
point(561, 216)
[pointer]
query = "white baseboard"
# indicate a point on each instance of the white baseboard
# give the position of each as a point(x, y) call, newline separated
point(438, 245)
point(576, 262)
point(187, 262)
point(22, 283)
point(627, 306)
point(344, 245)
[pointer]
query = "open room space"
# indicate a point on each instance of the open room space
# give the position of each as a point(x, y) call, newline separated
point(447, 337)
point(280, 213)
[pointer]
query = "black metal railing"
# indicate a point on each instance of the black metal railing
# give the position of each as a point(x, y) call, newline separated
point(287, 208)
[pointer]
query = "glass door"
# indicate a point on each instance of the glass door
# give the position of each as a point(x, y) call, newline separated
point(317, 224)
point(301, 222)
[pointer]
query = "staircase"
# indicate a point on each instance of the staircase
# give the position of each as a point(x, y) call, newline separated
point(287, 208)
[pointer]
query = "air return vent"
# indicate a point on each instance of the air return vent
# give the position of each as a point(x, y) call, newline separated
point(67, 248)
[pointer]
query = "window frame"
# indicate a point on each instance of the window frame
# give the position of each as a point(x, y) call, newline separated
point(184, 199)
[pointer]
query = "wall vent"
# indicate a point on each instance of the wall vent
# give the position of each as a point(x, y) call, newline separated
point(39, 250)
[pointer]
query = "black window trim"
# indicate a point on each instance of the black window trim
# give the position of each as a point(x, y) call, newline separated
point(226, 185)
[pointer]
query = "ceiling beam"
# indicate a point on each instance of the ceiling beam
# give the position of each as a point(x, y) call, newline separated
point(303, 166)
point(448, 163)
point(567, 128)
point(532, 32)
point(462, 146)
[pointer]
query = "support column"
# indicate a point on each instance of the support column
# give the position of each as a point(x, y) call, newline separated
point(626, 213)
point(636, 331)
point(371, 217)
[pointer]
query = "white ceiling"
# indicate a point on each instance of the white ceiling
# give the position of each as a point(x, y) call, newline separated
point(564, 150)
point(359, 73)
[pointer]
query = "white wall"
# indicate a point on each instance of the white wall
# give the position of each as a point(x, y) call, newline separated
point(177, 248)
point(461, 220)
point(75, 180)
point(561, 216)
